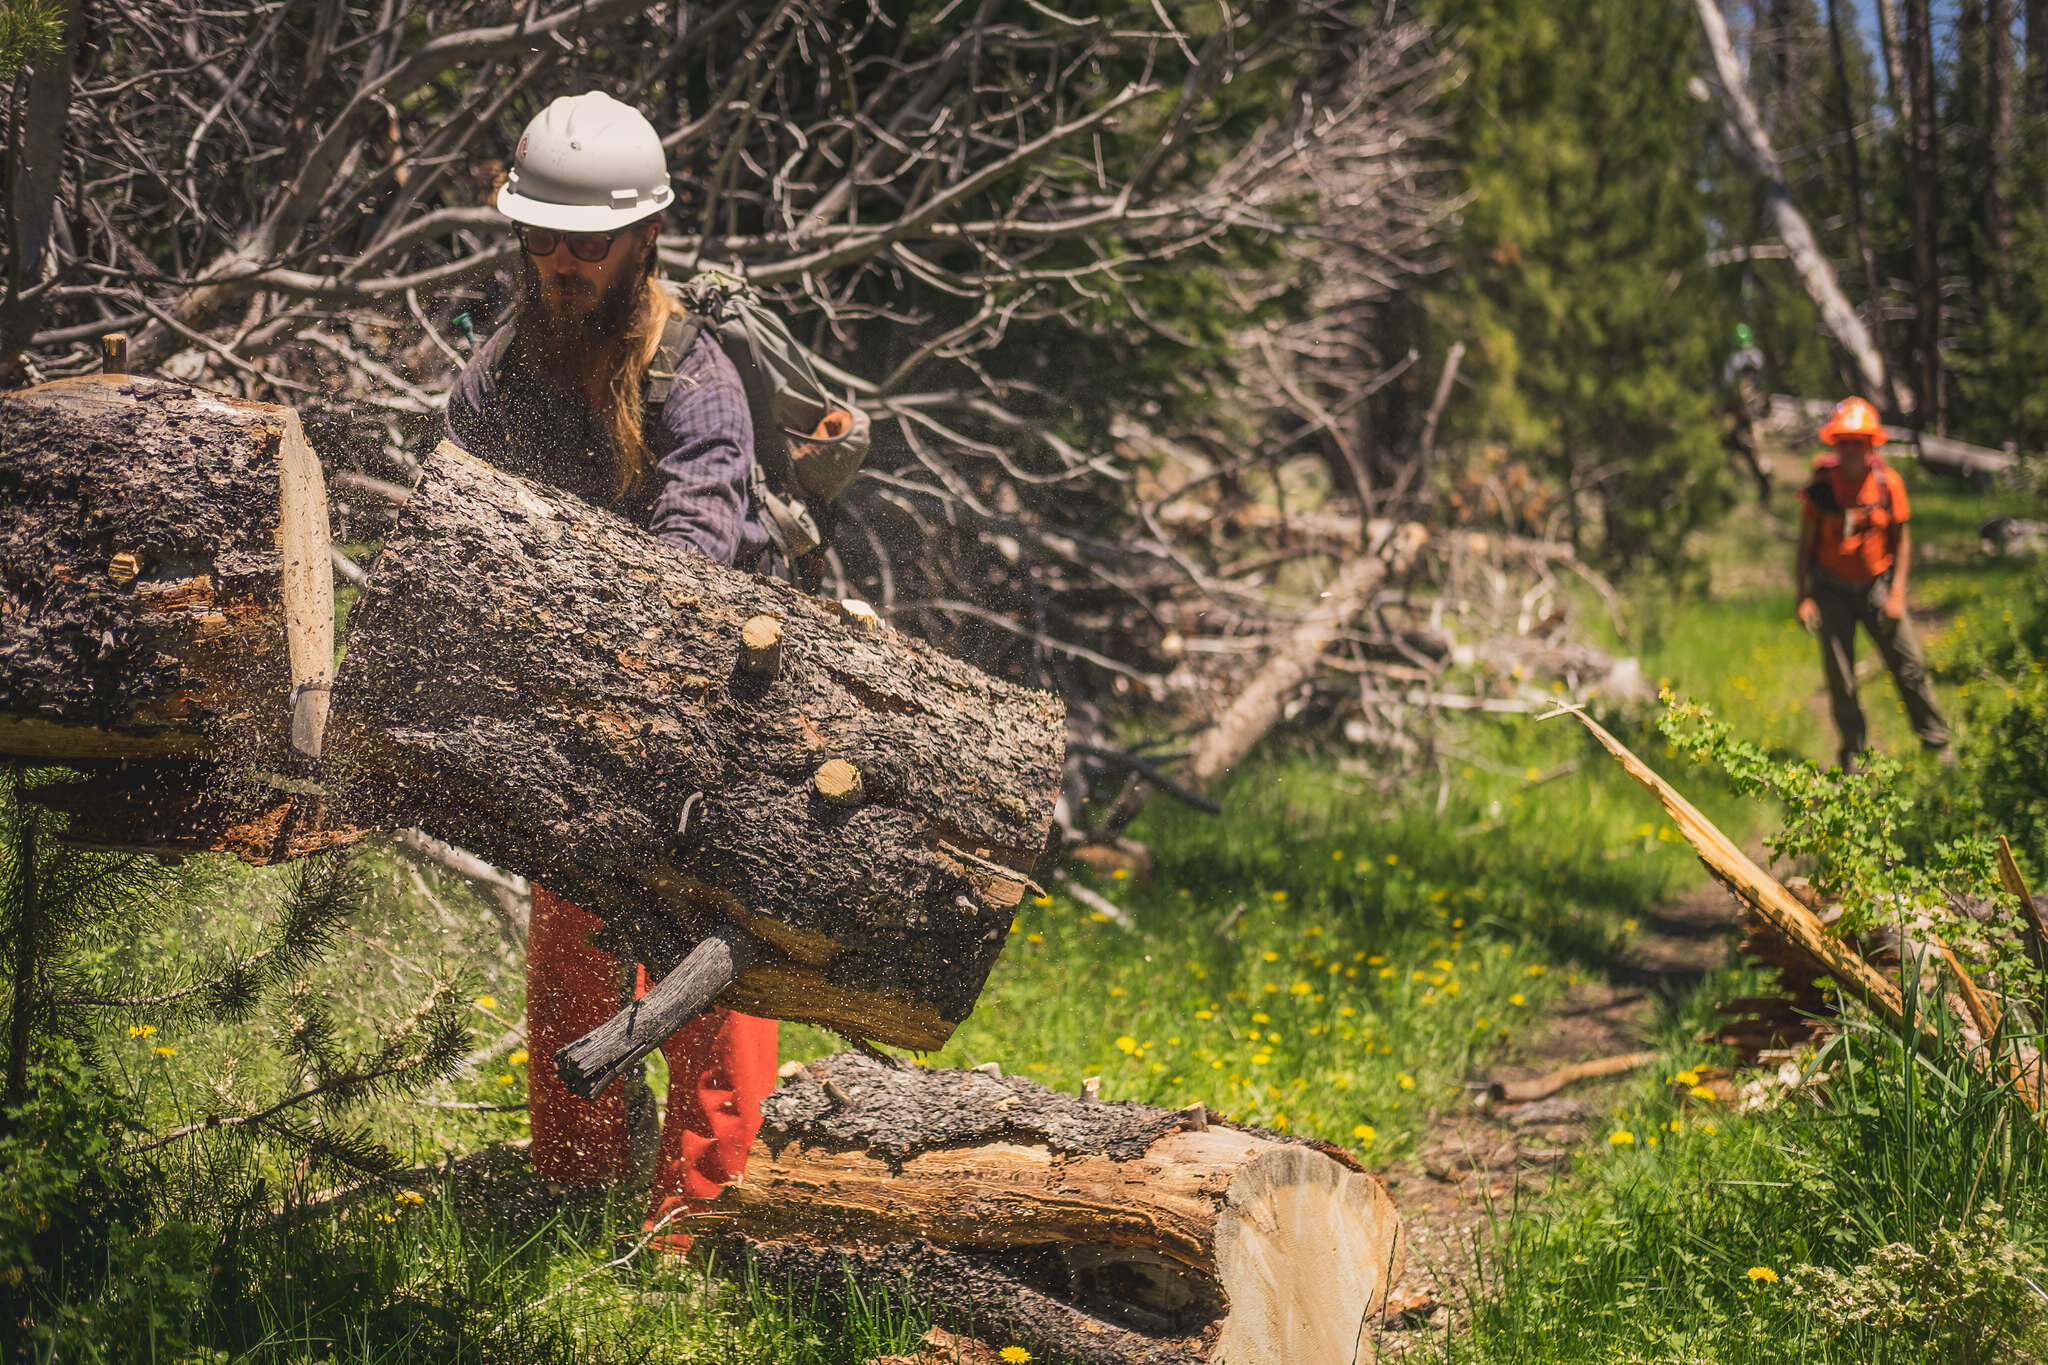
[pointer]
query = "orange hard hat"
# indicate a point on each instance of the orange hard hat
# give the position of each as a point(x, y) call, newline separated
point(1853, 417)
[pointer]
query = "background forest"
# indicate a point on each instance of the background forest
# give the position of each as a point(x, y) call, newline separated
point(1167, 314)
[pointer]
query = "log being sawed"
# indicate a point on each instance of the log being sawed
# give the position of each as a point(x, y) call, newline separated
point(583, 704)
point(1101, 1233)
point(675, 746)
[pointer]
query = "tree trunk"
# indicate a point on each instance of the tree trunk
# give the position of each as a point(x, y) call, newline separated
point(565, 695)
point(165, 589)
point(1998, 140)
point(1750, 143)
point(1921, 178)
point(1108, 1234)
point(2037, 56)
point(35, 172)
point(1873, 287)
point(1894, 67)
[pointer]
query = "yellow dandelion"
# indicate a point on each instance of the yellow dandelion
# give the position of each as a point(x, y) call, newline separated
point(1365, 1132)
point(487, 1002)
point(1762, 1274)
point(167, 1052)
point(1279, 895)
point(141, 1030)
point(1272, 988)
point(1338, 856)
point(1270, 956)
point(409, 1197)
point(1387, 973)
point(1404, 1080)
point(1121, 874)
point(1444, 964)
point(1300, 988)
point(1034, 938)
point(519, 1058)
point(1518, 999)
point(1533, 969)
point(1262, 1018)
point(1127, 1044)
point(1622, 1137)
point(1700, 1092)
point(1014, 1355)
point(505, 1079)
point(1203, 1014)
point(1686, 1078)
point(1373, 961)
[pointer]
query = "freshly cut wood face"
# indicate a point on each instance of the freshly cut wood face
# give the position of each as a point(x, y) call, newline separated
point(1306, 1254)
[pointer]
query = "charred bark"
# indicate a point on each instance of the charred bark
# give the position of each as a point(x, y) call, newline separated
point(1106, 1233)
point(565, 695)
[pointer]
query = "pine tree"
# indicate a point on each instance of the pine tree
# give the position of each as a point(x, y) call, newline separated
point(1596, 331)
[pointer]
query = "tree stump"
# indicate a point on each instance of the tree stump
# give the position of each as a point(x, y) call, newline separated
point(569, 697)
point(1108, 1234)
point(165, 589)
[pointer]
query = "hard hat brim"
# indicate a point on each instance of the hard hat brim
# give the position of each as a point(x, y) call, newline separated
point(1828, 436)
point(579, 217)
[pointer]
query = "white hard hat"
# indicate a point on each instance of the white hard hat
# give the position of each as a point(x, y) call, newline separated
point(587, 163)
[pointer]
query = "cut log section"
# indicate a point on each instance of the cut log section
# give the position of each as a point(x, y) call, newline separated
point(1109, 1234)
point(571, 699)
point(165, 591)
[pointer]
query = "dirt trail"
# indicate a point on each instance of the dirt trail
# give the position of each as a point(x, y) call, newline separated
point(1475, 1165)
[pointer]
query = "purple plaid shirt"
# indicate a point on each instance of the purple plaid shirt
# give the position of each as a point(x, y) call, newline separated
point(703, 444)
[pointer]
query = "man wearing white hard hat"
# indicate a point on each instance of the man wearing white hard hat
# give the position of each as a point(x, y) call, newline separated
point(561, 393)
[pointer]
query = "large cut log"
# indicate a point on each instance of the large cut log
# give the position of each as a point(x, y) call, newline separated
point(1108, 1234)
point(165, 591)
point(580, 703)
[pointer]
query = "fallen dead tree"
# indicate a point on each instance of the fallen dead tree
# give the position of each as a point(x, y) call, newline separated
point(692, 753)
point(1105, 1234)
point(1802, 942)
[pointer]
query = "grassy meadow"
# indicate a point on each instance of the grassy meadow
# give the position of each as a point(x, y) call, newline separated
point(1331, 957)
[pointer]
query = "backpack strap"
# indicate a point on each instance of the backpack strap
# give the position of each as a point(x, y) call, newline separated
point(678, 335)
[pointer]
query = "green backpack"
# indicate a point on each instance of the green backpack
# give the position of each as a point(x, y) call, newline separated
point(807, 444)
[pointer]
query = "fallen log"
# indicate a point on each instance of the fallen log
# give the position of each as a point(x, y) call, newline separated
point(1104, 1234)
point(165, 590)
point(1256, 709)
point(580, 703)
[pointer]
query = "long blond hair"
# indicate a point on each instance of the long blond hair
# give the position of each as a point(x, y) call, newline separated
point(622, 389)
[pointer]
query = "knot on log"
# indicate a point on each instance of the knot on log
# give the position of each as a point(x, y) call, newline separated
point(761, 647)
point(838, 782)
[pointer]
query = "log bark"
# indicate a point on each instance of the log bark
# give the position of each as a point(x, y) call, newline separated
point(565, 695)
point(165, 591)
point(1109, 1234)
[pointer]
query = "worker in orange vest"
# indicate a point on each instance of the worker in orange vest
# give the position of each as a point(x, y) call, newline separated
point(561, 393)
point(1854, 555)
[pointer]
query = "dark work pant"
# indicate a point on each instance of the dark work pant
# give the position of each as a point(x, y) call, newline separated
point(1844, 606)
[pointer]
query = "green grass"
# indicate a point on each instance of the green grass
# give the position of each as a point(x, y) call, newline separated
point(1392, 944)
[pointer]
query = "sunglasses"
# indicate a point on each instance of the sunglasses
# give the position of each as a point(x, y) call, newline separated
point(584, 246)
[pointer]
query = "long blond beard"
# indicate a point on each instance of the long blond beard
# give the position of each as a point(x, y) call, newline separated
point(614, 342)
